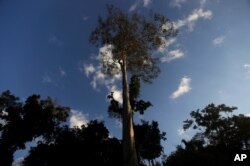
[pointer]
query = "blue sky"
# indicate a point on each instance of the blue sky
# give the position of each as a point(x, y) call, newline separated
point(44, 49)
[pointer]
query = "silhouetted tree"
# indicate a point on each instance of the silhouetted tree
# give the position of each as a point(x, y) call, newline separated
point(220, 135)
point(148, 139)
point(89, 145)
point(131, 40)
point(23, 122)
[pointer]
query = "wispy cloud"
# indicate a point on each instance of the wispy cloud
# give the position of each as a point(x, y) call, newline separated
point(146, 2)
point(54, 40)
point(218, 41)
point(191, 19)
point(172, 55)
point(180, 3)
point(46, 79)
point(166, 44)
point(223, 95)
point(184, 87)
point(177, 3)
point(118, 123)
point(87, 69)
point(138, 3)
point(85, 18)
point(247, 68)
point(97, 73)
point(133, 7)
point(62, 72)
point(77, 119)
point(203, 3)
point(184, 133)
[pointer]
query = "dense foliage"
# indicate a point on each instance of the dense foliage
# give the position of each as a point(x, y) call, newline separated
point(58, 144)
point(220, 136)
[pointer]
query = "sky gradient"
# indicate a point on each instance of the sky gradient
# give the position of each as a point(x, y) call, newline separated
point(45, 49)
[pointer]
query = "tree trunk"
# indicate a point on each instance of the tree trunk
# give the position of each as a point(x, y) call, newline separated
point(128, 140)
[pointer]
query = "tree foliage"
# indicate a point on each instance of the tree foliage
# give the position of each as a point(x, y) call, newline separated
point(148, 139)
point(89, 145)
point(133, 36)
point(137, 105)
point(23, 122)
point(220, 135)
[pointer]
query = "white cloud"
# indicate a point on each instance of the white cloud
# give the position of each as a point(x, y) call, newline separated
point(191, 19)
point(53, 39)
point(46, 79)
point(137, 3)
point(117, 94)
point(88, 69)
point(146, 2)
point(177, 3)
point(62, 72)
point(184, 133)
point(180, 3)
point(166, 44)
point(184, 87)
point(77, 119)
point(133, 7)
point(218, 40)
point(248, 115)
point(99, 78)
point(181, 131)
point(174, 54)
point(246, 66)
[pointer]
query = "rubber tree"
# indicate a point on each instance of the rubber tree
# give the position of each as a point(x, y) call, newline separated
point(131, 39)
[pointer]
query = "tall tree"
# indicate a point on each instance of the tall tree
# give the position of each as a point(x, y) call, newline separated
point(131, 39)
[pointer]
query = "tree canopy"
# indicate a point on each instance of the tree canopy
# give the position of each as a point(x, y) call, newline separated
point(220, 135)
point(59, 144)
point(23, 122)
point(134, 37)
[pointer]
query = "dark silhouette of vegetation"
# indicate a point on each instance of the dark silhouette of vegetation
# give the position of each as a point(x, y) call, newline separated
point(23, 122)
point(132, 40)
point(88, 145)
point(220, 135)
point(147, 136)
point(148, 139)
point(60, 145)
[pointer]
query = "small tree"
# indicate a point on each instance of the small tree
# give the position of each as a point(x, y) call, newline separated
point(131, 39)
